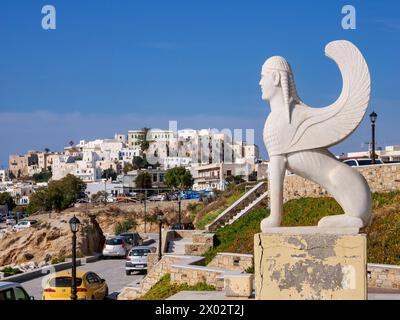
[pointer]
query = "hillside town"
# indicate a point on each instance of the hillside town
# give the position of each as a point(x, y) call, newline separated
point(210, 157)
point(112, 165)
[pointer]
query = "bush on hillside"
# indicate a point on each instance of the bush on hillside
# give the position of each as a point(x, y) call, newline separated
point(125, 226)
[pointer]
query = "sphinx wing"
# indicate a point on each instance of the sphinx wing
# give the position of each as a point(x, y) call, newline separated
point(325, 127)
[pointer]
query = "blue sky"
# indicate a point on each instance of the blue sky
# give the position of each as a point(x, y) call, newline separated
point(111, 66)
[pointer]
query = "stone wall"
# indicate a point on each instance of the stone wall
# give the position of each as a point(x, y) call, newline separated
point(154, 274)
point(381, 178)
point(182, 273)
point(152, 260)
point(202, 242)
point(183, 269)
point(232, 261)
point(383, 276)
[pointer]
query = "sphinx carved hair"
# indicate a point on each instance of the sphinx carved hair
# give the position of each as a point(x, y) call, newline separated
point(279, 64)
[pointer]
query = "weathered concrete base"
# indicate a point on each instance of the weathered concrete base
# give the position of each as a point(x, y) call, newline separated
point(238, 285)
point(310, 263)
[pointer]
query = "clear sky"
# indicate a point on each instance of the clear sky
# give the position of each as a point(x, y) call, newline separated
point(111, 66)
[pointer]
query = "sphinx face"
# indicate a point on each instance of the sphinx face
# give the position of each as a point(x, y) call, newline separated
point(268, 83)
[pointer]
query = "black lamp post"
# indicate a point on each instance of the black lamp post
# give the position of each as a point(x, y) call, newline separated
point(373, 117)
point(160, 219)
point(179, 207)
point(74, 225)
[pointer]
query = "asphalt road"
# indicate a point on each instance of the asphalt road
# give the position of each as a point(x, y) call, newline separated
point(112, 270)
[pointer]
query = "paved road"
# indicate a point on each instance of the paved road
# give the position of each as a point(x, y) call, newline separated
point(112, 270)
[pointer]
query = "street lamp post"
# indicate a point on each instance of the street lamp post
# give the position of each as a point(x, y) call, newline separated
point(373, 117)
point(105, 190)
point(160, 218)
point(145, 211)
point(74, 226)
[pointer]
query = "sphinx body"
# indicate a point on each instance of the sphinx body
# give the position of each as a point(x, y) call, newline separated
point(297, 137)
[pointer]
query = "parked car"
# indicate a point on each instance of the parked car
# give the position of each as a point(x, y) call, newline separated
point(137, 259)
point(182, 226)
point(24, 224)
point(13, 291)
point(116, 247)
point(361, 162)
point(134, 238)
point(157, 197)
point(89, 286)
point(10, 221)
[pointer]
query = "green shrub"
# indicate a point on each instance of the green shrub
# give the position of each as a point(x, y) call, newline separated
point(201, 224)
point(9, 271)
point(56, 260)
point(163, 289)
point(125, 226)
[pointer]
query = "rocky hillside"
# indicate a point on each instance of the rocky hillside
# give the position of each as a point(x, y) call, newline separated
point(50, 240)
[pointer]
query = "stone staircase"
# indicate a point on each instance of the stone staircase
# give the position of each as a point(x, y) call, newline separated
point(247, 209)
point(254, 198)
point(177, 246)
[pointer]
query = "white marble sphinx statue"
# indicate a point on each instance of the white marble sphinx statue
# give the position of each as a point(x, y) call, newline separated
point(297, 136)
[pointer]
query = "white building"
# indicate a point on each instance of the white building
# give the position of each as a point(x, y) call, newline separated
point(112, 188)
point(212, 176)
point(127, 154)
point(388, 154)
point(85, 169)
point(172, 162)
point(3, 175)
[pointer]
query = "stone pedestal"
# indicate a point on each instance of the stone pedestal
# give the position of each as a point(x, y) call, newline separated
point(238, 285)
point(310, 263)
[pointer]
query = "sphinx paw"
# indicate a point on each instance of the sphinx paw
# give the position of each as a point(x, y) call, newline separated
point(270, 223)
point(341, 221)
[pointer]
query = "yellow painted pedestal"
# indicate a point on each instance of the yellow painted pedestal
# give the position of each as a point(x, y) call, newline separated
point(306, 263)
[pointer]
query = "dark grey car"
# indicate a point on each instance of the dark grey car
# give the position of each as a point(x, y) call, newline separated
point(133, 237)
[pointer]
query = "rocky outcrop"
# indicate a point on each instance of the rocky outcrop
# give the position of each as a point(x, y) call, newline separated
point(50, 240)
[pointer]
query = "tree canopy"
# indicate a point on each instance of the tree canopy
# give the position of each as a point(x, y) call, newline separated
point(143, 180)
point(43, 176)
point(7, 199)
point(58, 195)
point(109, 173)
point(178, 178)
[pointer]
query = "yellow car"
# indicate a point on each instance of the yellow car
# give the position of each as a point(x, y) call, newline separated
point(89, 286)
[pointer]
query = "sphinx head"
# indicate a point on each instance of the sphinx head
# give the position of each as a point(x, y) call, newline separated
point(277, 79)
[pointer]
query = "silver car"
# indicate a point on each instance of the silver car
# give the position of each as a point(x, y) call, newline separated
point(115, 247)
point(137, 259)
point(13, 291)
